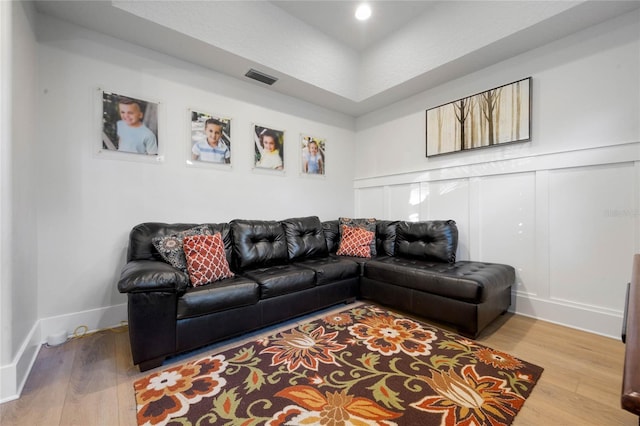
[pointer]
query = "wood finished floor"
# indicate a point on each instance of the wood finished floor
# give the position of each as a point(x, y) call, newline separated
point(89, 381)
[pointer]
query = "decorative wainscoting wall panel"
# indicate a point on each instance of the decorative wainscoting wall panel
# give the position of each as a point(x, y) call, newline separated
point(591, 224)
point(568, 222)
point(506, 224)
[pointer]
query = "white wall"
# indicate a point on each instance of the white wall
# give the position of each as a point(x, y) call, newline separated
point(18, 285)
point(563, 208)
point(88, 204)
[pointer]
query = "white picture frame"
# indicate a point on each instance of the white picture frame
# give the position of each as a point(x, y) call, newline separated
point(270, 159)
point(312, 160)
point(200, 149)
point(137, 118)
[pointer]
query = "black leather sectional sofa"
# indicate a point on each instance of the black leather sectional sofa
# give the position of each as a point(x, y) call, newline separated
point(288, 268)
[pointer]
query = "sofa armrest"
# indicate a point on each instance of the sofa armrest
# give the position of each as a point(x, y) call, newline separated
point(150, 275)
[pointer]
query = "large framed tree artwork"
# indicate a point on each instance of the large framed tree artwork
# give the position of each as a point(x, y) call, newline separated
point(494, 117)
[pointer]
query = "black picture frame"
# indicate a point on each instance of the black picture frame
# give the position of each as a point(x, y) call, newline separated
point(495, 117)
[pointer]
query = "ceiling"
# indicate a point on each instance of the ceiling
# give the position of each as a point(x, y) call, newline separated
point(322, 55)
point(336, 18)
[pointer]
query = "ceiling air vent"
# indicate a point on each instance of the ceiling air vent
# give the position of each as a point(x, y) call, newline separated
point(261, 77)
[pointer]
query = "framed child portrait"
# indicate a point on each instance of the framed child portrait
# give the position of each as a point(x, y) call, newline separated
point(269, 148)
point(209, 139)
point(128, 127)
point(312, 155)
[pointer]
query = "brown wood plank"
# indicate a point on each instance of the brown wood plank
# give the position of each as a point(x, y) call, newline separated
point(45, 390)
point(582, 374)
point(92, 395)
point(126, 374)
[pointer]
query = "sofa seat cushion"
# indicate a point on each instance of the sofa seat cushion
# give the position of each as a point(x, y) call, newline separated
point(361, 261)
point(467, 281)
point(219, 296)
point(281, 279)
point(331, 269)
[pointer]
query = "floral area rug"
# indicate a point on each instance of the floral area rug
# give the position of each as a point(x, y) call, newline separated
point(362, 366)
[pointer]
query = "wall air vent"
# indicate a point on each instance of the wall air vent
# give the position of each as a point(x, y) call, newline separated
point(261, 77)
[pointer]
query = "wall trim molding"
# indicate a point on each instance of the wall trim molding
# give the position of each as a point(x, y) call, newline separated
point(580, 157)
point(78, 323)
point(14, 376)
point(570, 315)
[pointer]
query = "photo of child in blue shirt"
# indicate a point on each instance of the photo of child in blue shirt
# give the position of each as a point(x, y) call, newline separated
point(133, 135)
point(129, 125)
point(312, 156)
point(213, 147)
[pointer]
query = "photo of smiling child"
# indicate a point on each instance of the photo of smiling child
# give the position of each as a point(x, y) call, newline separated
point(210, 138)
point(313, 153)
point(269, 148)
point(129, 124)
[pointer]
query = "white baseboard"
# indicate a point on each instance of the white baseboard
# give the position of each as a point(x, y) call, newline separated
point(13, 376)
point(79, 323)
point(581, 317)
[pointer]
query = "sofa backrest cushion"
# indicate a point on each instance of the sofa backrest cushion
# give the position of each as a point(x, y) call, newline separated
point(386, 237)
point(305, 238)
point(258, 243)
point(140, 238)
point(434, 239)
point(331, 230)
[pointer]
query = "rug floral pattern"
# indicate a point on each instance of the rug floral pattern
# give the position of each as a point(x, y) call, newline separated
point(363, 366)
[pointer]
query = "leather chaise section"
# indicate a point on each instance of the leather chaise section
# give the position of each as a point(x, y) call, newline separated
point(466, 281)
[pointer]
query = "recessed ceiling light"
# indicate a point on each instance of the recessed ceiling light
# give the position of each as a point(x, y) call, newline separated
point(363, 12)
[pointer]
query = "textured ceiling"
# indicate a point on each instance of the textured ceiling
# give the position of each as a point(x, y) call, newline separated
point(321, 56)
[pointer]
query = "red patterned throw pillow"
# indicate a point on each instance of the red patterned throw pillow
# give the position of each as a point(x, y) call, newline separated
point(206, 260)
point(355, 242)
